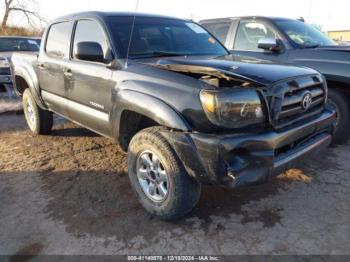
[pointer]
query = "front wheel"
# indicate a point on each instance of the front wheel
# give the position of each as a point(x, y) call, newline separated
point(38, 120)
point(158, 178)
point(339, 101)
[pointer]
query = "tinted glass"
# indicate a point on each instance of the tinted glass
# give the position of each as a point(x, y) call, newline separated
point(220, 30)
point(161, 37)
point(90, 31)
point(303, 34)
point(249, 34)
point(38, 41)
point(57, 44)
point(18, 44)
point(209, 27)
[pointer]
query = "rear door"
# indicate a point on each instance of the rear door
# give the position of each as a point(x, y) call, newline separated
point(89, 84)
point(50, 66)
point(247, 36)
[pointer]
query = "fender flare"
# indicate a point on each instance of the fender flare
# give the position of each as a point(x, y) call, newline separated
point(33, 85)
point(148, 106)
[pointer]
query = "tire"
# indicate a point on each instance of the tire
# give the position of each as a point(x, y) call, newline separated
point(182, 191)
point(38, 120)
point(339, 101)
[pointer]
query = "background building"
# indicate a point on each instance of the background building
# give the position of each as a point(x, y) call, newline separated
point(341, 35)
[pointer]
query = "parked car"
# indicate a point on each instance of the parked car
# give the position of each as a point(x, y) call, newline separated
point(9, 45)
point(292, 41)
point(174, 98)
point(5, 77)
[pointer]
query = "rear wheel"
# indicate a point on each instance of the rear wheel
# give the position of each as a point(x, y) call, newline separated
point(38, 120)
point(158, 178)
point(340, 102)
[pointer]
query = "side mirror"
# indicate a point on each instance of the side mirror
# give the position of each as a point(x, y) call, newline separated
point(270, 44)
point(89, 51)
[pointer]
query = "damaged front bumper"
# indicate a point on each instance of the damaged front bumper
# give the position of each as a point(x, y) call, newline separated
point(244, 159)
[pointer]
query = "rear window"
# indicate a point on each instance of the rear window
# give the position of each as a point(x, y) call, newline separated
point(57, 44)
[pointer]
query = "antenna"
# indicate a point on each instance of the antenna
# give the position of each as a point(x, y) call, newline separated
point(131, 34)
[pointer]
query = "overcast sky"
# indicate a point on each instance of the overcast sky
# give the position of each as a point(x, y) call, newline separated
point(330, 14)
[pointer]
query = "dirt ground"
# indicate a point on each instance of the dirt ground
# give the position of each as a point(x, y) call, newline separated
point(68, 193)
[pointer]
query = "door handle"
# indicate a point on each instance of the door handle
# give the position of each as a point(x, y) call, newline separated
point(68, 72)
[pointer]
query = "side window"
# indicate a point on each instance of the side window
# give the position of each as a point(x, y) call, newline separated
point(209, 27)
point(249, 34)
point(90, 31)
point(57, 43)
point(220, 30)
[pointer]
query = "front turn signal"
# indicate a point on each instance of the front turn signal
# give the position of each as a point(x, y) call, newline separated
point(208, 101)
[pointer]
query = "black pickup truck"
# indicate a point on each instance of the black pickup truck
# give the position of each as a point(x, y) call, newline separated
point(186, 112)
point(291, 41)
point(5, 76)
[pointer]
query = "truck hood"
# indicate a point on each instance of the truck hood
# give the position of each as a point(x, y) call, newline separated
point(8, 55)
point(334, 48)
point(322, 54)
point(244, 68)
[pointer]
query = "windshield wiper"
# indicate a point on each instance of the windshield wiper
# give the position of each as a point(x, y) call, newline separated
point(158, 54)
point(311, 46)
point(161, 53)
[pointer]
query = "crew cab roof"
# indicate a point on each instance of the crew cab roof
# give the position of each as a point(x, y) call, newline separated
point(103, 15)
point(244, 17)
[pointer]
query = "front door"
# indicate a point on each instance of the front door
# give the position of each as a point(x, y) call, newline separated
point(90, 84)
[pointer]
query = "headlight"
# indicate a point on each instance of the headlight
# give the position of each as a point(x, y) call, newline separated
point(233, 108)
point(4, 63)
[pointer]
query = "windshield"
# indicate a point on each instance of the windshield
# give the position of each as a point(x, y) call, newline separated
point(18, 44)
point(304, 34)
point(155, 37)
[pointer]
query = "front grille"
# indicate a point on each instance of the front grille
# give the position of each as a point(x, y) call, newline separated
point(5, 71)
point(296, 99)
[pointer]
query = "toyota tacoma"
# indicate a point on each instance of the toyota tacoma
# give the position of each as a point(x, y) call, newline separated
point(172, 96)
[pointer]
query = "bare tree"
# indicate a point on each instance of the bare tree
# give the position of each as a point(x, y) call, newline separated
point(20, 6)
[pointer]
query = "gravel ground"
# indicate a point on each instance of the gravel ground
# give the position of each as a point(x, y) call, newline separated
point(68, 193)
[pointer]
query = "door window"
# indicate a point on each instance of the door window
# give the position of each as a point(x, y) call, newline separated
point(90, 31)
point(220, 30)
point(58, 40)
point(249, 33)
